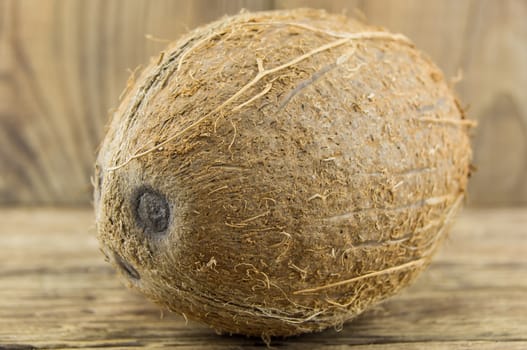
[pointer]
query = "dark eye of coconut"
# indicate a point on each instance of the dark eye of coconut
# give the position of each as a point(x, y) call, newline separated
point(128, 269)
point(151, 212)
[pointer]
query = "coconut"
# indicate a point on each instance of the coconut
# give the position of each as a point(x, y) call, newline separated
point(277, 173)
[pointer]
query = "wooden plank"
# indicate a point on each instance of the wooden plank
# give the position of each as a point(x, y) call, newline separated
point(57, 292)
point(64, 63)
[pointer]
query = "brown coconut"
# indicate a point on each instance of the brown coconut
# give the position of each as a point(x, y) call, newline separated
point(278, 173)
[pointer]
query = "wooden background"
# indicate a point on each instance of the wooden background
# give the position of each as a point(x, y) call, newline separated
point(63, 64)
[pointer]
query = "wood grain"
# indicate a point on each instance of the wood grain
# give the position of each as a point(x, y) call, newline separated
point(57, 292)
point(64, 63)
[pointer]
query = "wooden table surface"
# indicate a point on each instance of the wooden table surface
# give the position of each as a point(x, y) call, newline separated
point(56, 292)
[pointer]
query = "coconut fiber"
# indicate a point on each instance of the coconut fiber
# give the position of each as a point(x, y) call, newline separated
point(277, 173)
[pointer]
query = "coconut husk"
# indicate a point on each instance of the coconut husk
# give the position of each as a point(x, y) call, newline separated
point(277, 173)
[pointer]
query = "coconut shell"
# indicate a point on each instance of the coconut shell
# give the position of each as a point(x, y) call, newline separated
point(277, 173)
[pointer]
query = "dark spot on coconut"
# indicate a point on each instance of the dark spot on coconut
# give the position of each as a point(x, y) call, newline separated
point(151, 210)
point(128, 269)
point(99, 178)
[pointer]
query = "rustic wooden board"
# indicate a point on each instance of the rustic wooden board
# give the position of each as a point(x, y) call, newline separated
point(63, 64)
point(57, 292)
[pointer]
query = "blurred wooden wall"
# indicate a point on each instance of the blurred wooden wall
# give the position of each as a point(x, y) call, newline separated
point(63, 64)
